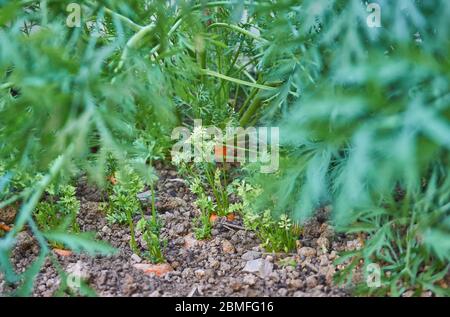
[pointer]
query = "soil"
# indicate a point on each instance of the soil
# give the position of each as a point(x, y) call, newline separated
point(215, 267)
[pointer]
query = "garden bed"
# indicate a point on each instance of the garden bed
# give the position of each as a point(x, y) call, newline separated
point(213, 267)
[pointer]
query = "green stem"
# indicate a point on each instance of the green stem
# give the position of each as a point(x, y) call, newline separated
point(239, 30)
point(230, 68)
point(153, 204)
point(252, 60)
point(236, 80)
point(235, 58)
point(146, 29)
point(210, 179)
point(236, 96)
point(248, 100)
point(133, 42)
point(256, 104)
point(224, 190)
point(133, 244)
point(6, 86)
point(133, 25)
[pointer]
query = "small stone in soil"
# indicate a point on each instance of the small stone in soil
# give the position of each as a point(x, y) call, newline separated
point(332, 255)
point(311, 282)
point(136, 258)
point(227, 247)
point(282, 292)
point(145, 196)
point(78, 270)
point(235, 285)
point(263, 267)
point(307, 252)
point(324, 260)
point(106, 229)
point(214, 264)
point(199, 273)
point(323, 243)
point(251, 255)
point(249, 279)
point(157, 269)
point(296, 284)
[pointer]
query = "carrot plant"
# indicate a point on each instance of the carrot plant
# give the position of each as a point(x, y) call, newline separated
point(123, 201)
point(61, 213)
point(151, 232)
point(278, 233)
point(203, 223)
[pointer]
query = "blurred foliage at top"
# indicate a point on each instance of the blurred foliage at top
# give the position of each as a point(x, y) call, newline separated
point(364, 112)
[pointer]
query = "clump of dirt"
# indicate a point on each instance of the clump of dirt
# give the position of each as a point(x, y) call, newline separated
point(8, 214)
point(231, 263)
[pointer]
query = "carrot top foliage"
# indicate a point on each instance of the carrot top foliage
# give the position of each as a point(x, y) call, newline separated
point(364, 113)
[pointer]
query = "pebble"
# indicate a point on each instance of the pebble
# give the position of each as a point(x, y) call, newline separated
point(50, 282)
point(263, 267)
point(227, 247)
point(42, 288)
point(297, 284)
point(136, 258)
point(251, 255)
point(235, 285)
point(323, 243)
point(282, 292)
point(324, 260)
point(409, 293)
point(332, 255)
point(311, 282)
point(186, 272)
point(199, 273)
point(214, 264)
point(179, 228)
point(249, 279)
point(330, 275)
point(426, 294)
point(215, 232)
point(8, 214)
point(275, 276)
point(24, 240)
point(353, 245)
point(209, 273)
point(145, 196)
point(103, 276)
point(225, 266)
point(79, 270)
point(326, 231)
point(106, 229)
point(175, 264)
point(306, 252)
